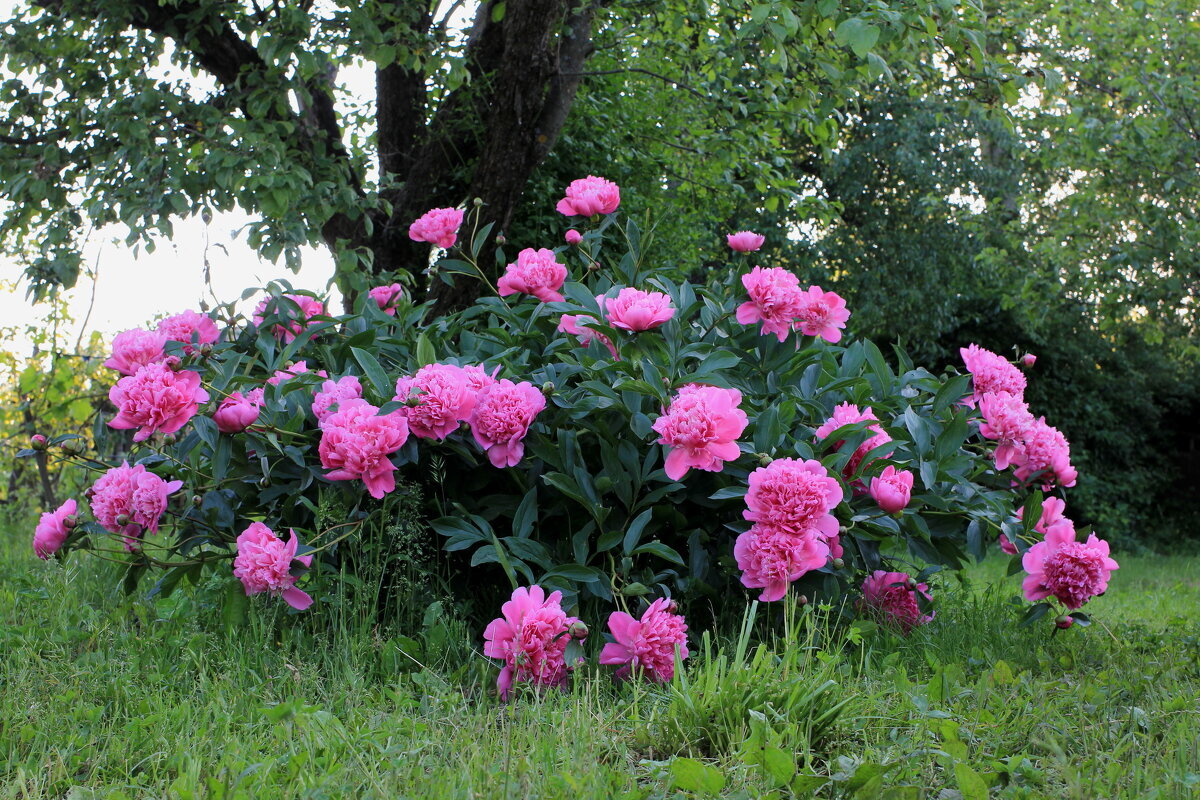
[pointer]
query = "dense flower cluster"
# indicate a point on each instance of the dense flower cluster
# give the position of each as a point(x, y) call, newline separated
point(700, 429)
point(442, 398)
point(356, 442)
point(134, 349)
point(1072, 572)
point(589, 196)
point(636, 310)
point(191, 328)
point(778, 302)
point(531, 639)
point(333, 395)
point(501, 417)
point(990, 373)
point(130, 501)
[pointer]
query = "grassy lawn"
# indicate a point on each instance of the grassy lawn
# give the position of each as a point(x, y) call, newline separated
point(103, 696)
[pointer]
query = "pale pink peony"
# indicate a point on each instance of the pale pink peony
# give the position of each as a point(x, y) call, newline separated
point(264, 563)
point(184, 326)
point(848, 414)
point(589, 196)
point(334, 394)
point(52, 530)
point(1045, 452)
point(238, 412)
point(1006, 419)
point(892, 489)
point(501, 418)
point(134, 349)
point(156, 398)
point(793, 496)
point(290, 326)
point(299, 368)
point(1071, 571)
point(531, 639)
point(356, 442)
point(437, 226)
point(771, 558)
point(129, 500)
point(444, 399)
point(774, 300)
point(636, 310)
point(745, 241)
point(822, 314)
point(647, 646)
point(573, 237)
point(570, 324)
point(892, 597)
point(386, 297)
point(990, 373)
point(700, 428)
point(535, 272)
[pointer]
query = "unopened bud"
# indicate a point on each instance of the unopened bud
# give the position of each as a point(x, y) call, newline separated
point(170, 438)
point(594, 266)
point(838, 563)
point(548, 388)
point(73, 446)
point(264, 482)
point(173, 363)
point(206, 350)
point(478, 202)
point(1064, 621)
point(197, 500)
point(413, 400)
point(574, 237)
point(1028, 360)
point(843, 530)
point(578, 630)
point(501, 239)
point(764, 460)
point(802, 600)
point(37, 442)
point(122, 519)
point(70, 522)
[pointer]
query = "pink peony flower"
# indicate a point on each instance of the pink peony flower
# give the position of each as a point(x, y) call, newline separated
point(892, 598)
point(356, 442)
point(535, 272)
point(1072, 572)
point(1006, 419)
point(52, 530)
point(1053, 510)
point(299, 368)
point(386, 297)
point(478, 378)
point(635, 310)
point(821, 314)
point(1045, 451)
point(264, 563)
point(892, 490)
point(771, 558)
point(848, 414)
point(1029, 359)
point(156, 398)
point(647, 645)
point(990, 373)
point(437, 226)
point(444, 399)
point(290, 325)
point(774, 300)
point(569, 324)
point(793, 496)
point(238, 412)
point(1006, 545)
point(130, 500)
point(573, 237)
point(531, 639)
point(185, 326)
point(501, 418)
point(333, 395)
point(589, 196)
point(134, 349)
point(745, 241)
point(700, 428)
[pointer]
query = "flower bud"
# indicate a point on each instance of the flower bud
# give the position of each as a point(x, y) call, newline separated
point(578, 630)
point(1064, 621)
point(594, 266)
point(843, 530)
point(37, 442)
point(1028, 360)
point(122, 519)
point(197, 500)
point(478, 201)
point(764, 460)
point(70, 522)
point(548, 388)
point(574, 237)
point(170, 438)
point(501, 239)
point(802, 600)
point(838, 563)
point(413, 400)
point(264, 482)
point(73, 446)
point(206, 350)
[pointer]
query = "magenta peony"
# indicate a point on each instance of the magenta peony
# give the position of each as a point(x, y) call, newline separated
point(187, 327)
point(635, 310)
point(156, 398)
point(264, 563)
point(745, 241)
point(130, 500)
point(238, 412)
point(774, 300)
point(501, 418)
point(134, 349)
point(531, 639)
point(444, 398)
point(478, 378)
point(848, 414)
point(648, 645)
point(771, 558)
point(573, 237)
point(333, 395)
point(821, 314)
point(52, 530)
point(1006, 419)
point(1072, 572)
point(1029, 359)
point(535, 272)
point(892, 489)
point(570, 324)
point(990, 373)
point(892, 598)
point(386, 297)
point(793, 496)
point(589, 196)
point(700, 429)
point(1045, 453)
point(289, 325)
point(356, 442)
point(299, 368)
point(438, 226)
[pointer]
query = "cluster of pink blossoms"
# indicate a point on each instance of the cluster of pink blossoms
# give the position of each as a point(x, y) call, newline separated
point(700, 429)
point(156, 398)
point(635, 310)
point(501, 418)
point(266, 563)
point(333, 395)
point(892, 598)
point(134, 349)
point(130, 501)
point(647, 645)
point(778, 302)
point(443, 397)
point(291, 324)
point(1072, 572)
point(191, 328)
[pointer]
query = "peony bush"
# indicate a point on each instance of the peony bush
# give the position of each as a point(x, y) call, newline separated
point(594, 435)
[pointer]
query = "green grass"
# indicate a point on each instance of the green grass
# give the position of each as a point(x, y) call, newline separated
point(104, 696)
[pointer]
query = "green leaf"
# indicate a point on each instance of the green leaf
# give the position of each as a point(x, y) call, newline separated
point(634, 532)
point(859, 34)
point(778, 764)
point(690, 775)
point(970, 785)
point(384, 387)
point(426, 355)
point(661, 550)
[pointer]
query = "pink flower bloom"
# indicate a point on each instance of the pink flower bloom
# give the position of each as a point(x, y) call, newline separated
point(51, 530)
point(647, 645)
point(891, 597)
point(156, 398)
point(589, 196)
point(445, 398)
point(501, 418)
point(574, 237)
point(1006, 545)
point(774, 300)
point(356, 442)
point(892, 490)
point(478, 378)
point(290, 325)
point(636, 310)
point(569, 324)
point(700, 428)
point(1029, 359)
point(848, 414)
point(148, 502)
point(438, 226)
point(333, 395)
point(1006, 419)
point(793, 496)
point(745, 241)
point(990, 373)
point(821, 314)
point(264, 563)
point(238, 412)
point(1045, 452)
point(1052, 511)
point(771, 558)
point(386, 297)
point(184, 326)
point(129, 500)
point(299, 368)
point(531, 639)
point(535, 272)
point(134, 349)
point(1071, 571)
